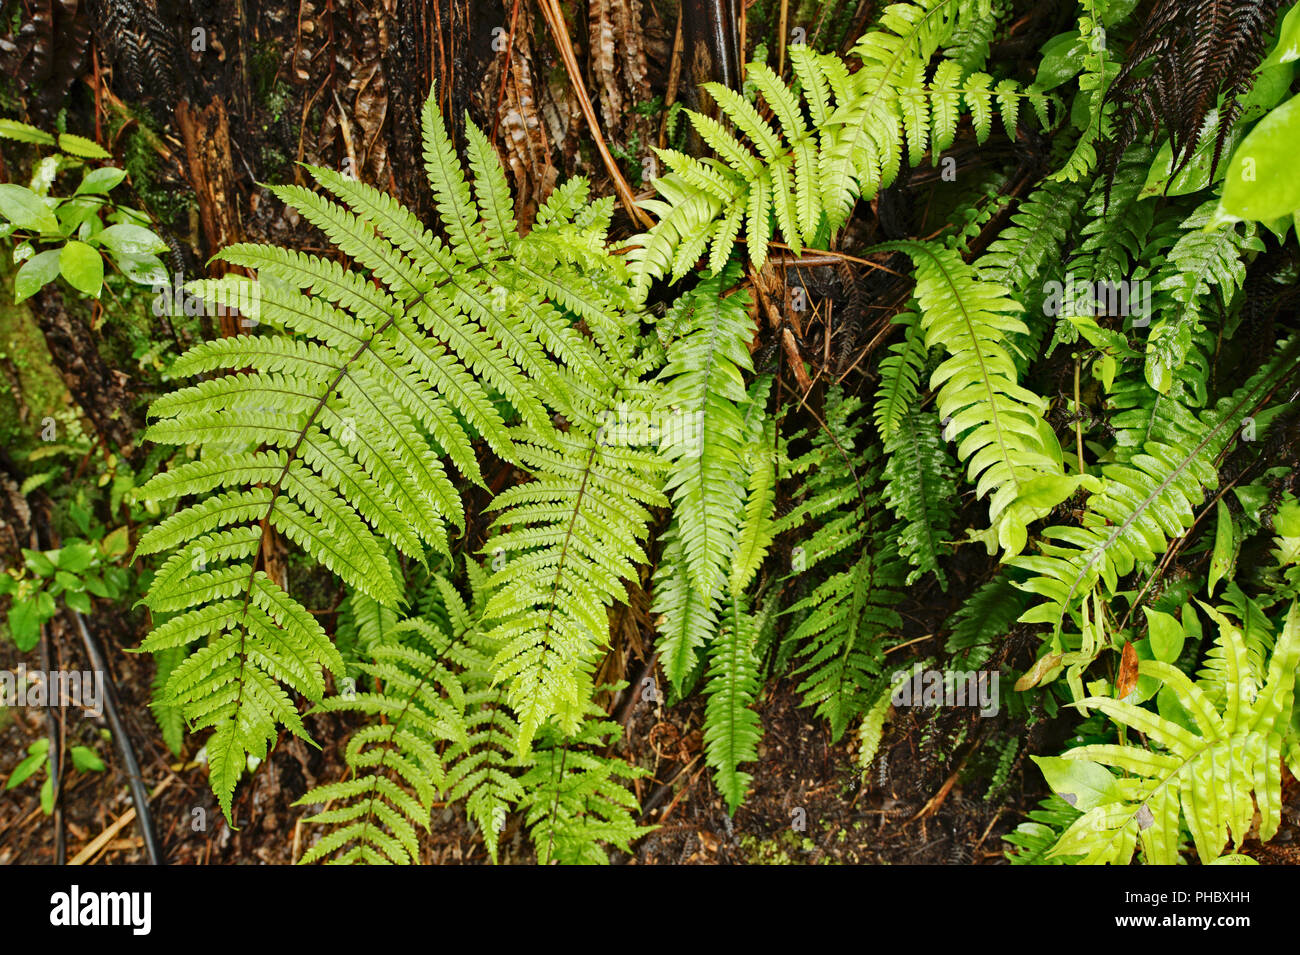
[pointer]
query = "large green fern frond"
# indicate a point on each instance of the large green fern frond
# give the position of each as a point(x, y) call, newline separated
point(397, 768)
point(575, 801)
point(1012, 455)
point(569, 539)
point(334, 427)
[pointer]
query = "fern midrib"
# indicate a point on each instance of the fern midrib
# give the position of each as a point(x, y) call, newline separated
point(276, 490)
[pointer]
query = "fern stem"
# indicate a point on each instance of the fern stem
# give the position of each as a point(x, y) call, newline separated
point(1078, 421)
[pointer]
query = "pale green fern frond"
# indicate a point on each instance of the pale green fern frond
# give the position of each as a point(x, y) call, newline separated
point(1012, 455)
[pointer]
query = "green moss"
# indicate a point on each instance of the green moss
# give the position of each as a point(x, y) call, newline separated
point(787, 847)
point(22, 344)
point(167, 204)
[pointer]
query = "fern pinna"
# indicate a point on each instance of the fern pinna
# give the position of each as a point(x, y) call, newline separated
point(339, 426)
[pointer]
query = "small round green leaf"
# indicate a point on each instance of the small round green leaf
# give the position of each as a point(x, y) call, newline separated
point(1165, 632)
point(82, 267)
point(126, 239)
point(35, 273)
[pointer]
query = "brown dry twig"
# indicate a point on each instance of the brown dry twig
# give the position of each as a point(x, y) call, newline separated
point(560, 33)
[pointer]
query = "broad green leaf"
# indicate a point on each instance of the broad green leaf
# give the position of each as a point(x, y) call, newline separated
point(1080, 782)
point(1165, 633)
point(67, 581)
point(38, 563)
point(75, 557)
point(143, 269)
point(1288, 40)
point(1169, 706)
point(1286, 522)
point(78, 600)
point(26, 210)
point(116, 542)
point(1261, 181)
point(101, 181)
point(127, 239)
point(1195, 175)
point(36, 272)
point(1061, 61)
point(82, 266)
point(95, 585)
point(1042, 669)
point(25, 624)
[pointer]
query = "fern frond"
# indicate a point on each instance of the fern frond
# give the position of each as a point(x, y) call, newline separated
point(731, 726)
point(338, 425)
point(397, 769)
point(1199, 263)
point(702, 415)
point(1141, 505)
point(575, 802)
point(1026, 249)
point(804, 180)
point(570, 536)
point(900, 376)
point(1011, 453)
point(986, 616)
point(840, 625)
point(921, 488)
